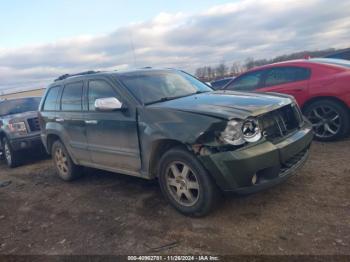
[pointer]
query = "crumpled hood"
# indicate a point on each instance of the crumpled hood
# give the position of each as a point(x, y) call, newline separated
point(227, 104)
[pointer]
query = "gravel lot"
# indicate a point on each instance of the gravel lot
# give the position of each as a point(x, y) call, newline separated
point(103, 213)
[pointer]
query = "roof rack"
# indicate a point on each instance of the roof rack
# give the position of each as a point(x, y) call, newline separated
point(65, 76)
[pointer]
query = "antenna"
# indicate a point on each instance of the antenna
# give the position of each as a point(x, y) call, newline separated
point(132, 47)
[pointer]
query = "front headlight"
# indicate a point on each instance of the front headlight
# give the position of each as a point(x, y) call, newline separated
point(251, 130)
point(239, 132)
point(18, 127)
point(233, 133)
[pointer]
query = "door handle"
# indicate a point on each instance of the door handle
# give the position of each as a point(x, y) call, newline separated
point(91, 122)
point(59, 120)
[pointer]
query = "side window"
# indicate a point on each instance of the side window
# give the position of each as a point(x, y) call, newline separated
point(71, 97)
point(99, 89)
point(246, 82)
point(282, 75)
point(51, 99)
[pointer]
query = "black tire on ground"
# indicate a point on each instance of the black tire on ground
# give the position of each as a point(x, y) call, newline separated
point(2, 154)
point(65, 168)
point(11, 157)
point(343, 121)
point(196, 182)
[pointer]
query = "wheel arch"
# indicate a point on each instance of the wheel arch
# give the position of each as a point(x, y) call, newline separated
point(50, 140)
point(318, 98)
point(343, 129)
point(159, 147)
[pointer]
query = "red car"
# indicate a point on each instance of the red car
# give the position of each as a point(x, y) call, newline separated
point(321, 87)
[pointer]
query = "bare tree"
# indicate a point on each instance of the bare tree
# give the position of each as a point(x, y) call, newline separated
point(200, 72)
point(236, 69)
point(221, 70)
point(249, 63)
point(208, 73)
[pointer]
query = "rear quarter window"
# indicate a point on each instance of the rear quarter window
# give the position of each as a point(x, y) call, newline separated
point(50, 103)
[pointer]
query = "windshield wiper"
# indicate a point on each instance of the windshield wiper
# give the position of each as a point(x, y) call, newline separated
point(163, 99)
point(200, 92)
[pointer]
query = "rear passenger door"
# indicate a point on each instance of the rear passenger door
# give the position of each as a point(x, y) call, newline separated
point(288, 80)
point(112, 135)
point(71, 119)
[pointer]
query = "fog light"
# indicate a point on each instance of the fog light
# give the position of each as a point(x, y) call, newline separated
point(254, 179)
point(23, 144)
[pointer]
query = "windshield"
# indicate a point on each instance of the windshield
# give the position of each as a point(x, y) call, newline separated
point(156, 86)
point(17, 106)
point(332, 61)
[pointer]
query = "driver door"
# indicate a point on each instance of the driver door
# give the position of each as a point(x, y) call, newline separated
point(112, 135)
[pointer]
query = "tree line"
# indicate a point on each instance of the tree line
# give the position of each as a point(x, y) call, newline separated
point(222, 70)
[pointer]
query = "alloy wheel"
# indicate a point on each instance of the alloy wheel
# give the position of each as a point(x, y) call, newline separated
point(61, 161)
point(325, 120)
point(182, 183)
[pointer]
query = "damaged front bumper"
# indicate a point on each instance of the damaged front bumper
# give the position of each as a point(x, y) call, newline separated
point(257, 167)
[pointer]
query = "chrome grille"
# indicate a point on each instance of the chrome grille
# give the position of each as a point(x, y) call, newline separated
point(281, 122)
point(33, 124)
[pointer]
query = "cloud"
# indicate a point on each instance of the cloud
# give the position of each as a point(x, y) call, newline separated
point(230, 32)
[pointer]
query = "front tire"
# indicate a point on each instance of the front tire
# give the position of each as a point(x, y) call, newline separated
point(65, 167)
point(186, 184)
point(11, 157)
point(330, 119)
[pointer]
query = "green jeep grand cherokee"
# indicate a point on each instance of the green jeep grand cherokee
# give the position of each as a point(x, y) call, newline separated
point(168, 125)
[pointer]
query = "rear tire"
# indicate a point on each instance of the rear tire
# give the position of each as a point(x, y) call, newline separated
point(330, 119)
point(65, 167)
point(11, 157)
point(186, 184)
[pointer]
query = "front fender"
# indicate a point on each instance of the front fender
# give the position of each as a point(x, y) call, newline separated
point(184, 127)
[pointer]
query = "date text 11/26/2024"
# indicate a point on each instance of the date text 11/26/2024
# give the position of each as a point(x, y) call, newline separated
point(173, 258)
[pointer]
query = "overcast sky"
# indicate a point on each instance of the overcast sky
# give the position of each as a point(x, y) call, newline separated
point(41, 40)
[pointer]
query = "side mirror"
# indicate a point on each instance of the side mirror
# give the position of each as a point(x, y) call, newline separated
point(108, 104)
